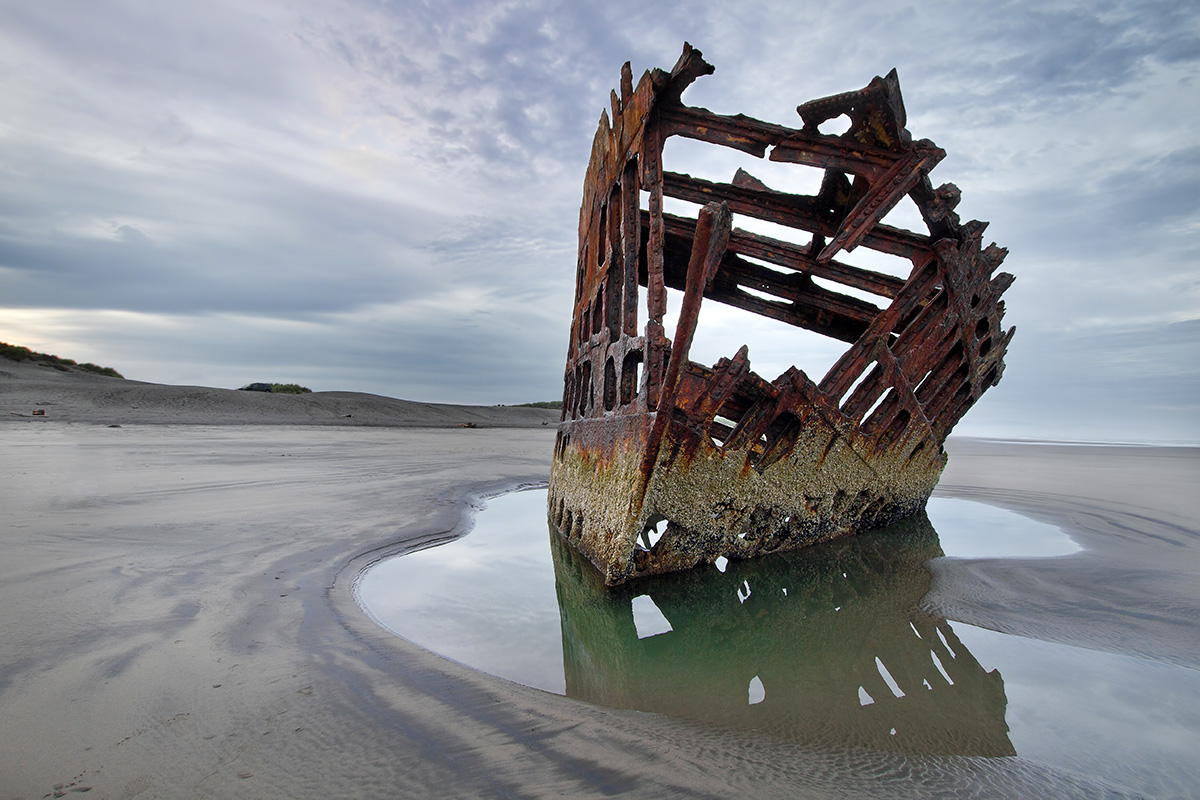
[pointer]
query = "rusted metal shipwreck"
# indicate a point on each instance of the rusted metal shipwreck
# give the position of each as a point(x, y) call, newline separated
point(661, 463)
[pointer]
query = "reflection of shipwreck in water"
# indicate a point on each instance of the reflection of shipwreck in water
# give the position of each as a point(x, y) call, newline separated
point(835, 637)
point(662, 463)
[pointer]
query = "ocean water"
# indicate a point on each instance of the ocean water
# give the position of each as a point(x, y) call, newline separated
point(827, 646)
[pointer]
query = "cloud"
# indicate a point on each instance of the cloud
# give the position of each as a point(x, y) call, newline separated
point(1125, 383)
point(384, 195)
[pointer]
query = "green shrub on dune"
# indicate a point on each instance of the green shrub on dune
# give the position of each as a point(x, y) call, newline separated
point(289, 388)
point(276, 388)
point(15, 352)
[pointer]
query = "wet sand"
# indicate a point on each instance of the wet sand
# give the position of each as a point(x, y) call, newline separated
point(177, 617)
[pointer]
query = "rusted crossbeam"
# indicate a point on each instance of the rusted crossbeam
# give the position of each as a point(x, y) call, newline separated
point(792, 256)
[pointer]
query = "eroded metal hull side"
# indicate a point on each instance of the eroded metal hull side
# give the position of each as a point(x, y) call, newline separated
point(662, 463)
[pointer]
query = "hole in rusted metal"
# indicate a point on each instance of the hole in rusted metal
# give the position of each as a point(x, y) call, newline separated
point(585, 390)
point(652, 533)
point(869, 414)
point(719, 430)
point(836, 126)
point(844, 400)
point(610, 385)
point(598, 310)
point(761, 294)
point(630, 367)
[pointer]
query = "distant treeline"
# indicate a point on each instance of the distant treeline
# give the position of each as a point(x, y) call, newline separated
point(555, 404)
point(17, 353)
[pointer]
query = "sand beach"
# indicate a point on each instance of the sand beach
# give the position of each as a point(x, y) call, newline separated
point(177, 617)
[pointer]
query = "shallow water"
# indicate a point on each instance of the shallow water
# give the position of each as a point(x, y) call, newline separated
point(826, 646)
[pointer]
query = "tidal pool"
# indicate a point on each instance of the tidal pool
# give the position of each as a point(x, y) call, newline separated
point(827, 646)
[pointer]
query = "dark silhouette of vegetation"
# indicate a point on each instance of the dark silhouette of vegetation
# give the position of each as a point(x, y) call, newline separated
point(555, 404)
point(276, 388)
point(17, 353)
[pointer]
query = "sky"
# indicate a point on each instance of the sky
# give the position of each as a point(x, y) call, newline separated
point(384, 196)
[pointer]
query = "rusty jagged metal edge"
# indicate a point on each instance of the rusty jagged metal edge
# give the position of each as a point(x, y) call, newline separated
point(660, 463)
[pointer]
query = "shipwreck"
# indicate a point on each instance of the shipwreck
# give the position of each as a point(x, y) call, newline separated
point(660, 463)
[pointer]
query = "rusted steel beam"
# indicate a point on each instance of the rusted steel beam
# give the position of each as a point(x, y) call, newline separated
point(888, 190)
point(794, 257)
point(807, 305)
point(794, 211)
point(739, 132)
point(708, 248)
point(661, 463)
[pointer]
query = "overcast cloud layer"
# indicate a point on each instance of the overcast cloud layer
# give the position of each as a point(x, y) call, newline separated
point(384, 196)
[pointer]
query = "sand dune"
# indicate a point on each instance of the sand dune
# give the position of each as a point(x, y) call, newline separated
point(77, 396)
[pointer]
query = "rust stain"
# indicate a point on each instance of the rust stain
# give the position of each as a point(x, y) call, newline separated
point(661, 463)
